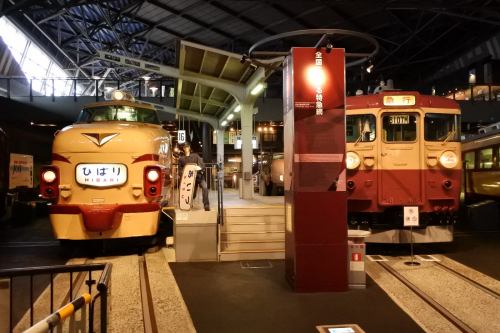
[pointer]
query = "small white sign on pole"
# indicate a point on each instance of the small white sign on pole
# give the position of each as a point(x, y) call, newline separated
point(181, 136)
point(410, 216)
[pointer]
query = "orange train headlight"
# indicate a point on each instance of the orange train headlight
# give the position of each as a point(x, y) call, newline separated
point(448, 159)
point(352, 160)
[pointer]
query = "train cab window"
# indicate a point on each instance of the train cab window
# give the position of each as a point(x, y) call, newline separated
point(486, 158)
point(442, 127)
point(360, 128)
point(470, 160)
point(399, 127)
point(118, 113)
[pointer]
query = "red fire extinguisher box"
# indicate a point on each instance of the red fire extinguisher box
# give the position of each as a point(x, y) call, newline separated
point(315, 191)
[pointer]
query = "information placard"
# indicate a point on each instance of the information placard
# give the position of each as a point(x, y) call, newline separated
point(410, 216)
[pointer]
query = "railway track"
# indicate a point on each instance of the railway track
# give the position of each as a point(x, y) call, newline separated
point(465, 303)
point(148, 313)
point(17, 245)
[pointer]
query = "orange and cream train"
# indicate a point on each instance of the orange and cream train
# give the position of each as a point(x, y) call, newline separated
point(110, 172)
point(403, 150)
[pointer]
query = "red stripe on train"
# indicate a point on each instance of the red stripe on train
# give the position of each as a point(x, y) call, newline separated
point(103, 217)
point(147, 157)
point(57, 157)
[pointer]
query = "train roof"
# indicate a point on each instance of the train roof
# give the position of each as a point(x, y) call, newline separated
point(481, 140)
point(377, 100)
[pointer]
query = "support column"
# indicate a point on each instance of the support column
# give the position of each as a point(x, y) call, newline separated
point(220, 146)
point(207, 142)
point(246, 150)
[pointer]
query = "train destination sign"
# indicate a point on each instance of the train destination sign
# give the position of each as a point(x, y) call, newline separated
point(399, 119)
point(101, 175)
point(399, 100)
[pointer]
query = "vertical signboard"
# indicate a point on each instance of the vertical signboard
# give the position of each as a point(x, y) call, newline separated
point(20, 171)
point(315, 193)
point(181, 136)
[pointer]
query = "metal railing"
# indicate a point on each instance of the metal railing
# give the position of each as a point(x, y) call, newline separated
point(11, 87)
point(476, 92)
point(100, 292)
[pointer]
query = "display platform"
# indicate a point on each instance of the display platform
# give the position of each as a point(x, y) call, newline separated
point(195, 235)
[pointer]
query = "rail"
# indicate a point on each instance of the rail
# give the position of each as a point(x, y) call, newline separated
point(102, 288)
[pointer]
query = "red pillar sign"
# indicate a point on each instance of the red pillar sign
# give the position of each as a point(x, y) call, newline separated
point(315, 193)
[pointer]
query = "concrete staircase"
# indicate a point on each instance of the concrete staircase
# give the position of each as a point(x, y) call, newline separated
point(253, 233)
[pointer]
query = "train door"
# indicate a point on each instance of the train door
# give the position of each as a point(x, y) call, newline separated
point(400, 178)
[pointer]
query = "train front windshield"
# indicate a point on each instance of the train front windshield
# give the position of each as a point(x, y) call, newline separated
point(442, 127)
point(118, 113)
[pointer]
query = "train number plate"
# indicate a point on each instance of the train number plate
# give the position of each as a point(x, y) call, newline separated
point(401, 119)
point(101, 175)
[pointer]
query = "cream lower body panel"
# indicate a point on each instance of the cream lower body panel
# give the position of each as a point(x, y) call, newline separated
point(71, 226)
point(431, 234)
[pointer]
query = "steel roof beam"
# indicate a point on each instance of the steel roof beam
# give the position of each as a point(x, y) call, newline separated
point(407, 40)
point(20, 5)
point(234, 14)
point(467, 17)
point(192, 19)
point(54, 43)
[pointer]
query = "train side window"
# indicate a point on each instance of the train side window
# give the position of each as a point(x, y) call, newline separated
point(360, 128)
point(470, 159)
point(486, 158)
point(399, 127)
point(496, 158)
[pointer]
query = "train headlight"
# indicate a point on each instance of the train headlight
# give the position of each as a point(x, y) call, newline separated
point(120, 95)
point(153, 175)
point(49, 176)
point(448, 159)
point(352, 160)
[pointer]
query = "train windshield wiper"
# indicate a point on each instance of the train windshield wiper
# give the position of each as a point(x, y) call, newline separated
point(449, 136)
point(359, 138)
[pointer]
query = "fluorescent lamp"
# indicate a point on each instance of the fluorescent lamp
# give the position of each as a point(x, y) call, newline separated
point(257, 89)
point(224, 123)
point(231, 116)
point(238, 108)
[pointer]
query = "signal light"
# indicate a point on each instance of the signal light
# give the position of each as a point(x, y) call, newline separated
point(153, 181)
point(49, 176)
point(153, 175)
point(49, 182)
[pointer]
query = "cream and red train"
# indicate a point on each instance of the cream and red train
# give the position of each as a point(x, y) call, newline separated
point(110, 172)
point(403, 149)
point(481, 154)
